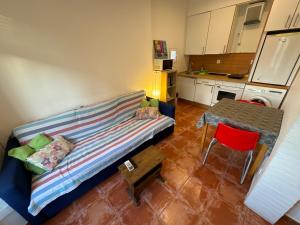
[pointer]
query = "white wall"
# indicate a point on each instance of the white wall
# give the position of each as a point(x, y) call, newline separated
point(168, 23)
point(246, 38)
point(199, 6)
point(294, 212)
point(56, 55)
point(276, 188)
point(291, 107)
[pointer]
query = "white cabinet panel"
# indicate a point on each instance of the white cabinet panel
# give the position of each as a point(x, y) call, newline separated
point(186, 88)
point(281, 15)
point(278, 59)
point(294, 213)
point(296, 19)
point(196, 33)
point(219, 30)
point(204, 93)
point(276, 189)
point(200, 6)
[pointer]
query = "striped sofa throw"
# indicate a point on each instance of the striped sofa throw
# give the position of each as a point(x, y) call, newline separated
point(90, 156)
point(82, 122)
point(102, 134)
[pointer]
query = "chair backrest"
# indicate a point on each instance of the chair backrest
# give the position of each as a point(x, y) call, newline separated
point(251, 102)
point(237, 139)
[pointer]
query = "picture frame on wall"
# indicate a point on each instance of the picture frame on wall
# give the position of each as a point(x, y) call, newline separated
point(160, 49)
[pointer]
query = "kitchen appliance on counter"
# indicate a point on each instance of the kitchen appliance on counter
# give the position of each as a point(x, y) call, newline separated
point(236, 76)
point(268, 96)
point(227, 90)
point(162, 64)
point(277, 60)
point(219, 73)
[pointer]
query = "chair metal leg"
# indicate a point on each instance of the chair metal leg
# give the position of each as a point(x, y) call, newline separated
point(211, 144)
point(246, 166)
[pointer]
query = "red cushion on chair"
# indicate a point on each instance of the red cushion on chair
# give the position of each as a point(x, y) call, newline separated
point(237, 139)
point(251, 102)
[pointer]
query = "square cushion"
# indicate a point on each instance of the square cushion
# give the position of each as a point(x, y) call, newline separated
point(147, 113)
point(39, 141)
point(144, 103)
point(21, 152)
point(48, 157)
point(154, 102)
point(33, 168)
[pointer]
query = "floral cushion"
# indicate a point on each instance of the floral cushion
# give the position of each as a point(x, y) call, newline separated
point(147, 113)
point(52, 154)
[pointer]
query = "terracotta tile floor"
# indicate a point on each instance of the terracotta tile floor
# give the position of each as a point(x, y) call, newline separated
point(192, 193)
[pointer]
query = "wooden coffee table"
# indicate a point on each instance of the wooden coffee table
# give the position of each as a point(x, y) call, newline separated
point(148, 165)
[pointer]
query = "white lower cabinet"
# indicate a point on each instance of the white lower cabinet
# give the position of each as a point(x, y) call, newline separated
point(204, 92)
point(186, 88)
point(196, 90)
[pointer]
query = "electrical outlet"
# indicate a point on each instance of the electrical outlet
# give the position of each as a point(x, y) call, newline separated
point(218, 61)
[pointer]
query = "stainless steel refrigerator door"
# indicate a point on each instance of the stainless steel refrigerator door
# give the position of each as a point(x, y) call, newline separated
point(277, 59)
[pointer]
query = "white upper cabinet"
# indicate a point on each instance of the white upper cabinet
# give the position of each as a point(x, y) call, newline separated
point(296, 19)
point(283, 16)
point(196, 33)
point(219, 30)
point(200, 6)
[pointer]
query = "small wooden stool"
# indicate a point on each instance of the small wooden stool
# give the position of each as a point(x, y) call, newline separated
point(148, 165)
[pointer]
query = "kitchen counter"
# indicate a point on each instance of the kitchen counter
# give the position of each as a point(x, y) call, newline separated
point(268, 85)
point(214, 77)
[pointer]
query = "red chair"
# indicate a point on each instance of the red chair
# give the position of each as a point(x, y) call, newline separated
point(236, 139)
point(251, 102)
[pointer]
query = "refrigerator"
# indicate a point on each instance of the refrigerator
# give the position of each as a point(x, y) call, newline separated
point(278, 59)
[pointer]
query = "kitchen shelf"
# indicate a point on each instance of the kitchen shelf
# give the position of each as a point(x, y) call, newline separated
point(173, 86)
point(168, 85)
point(170, 99)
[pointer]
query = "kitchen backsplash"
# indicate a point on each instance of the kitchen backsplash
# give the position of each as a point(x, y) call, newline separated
point(235, 63)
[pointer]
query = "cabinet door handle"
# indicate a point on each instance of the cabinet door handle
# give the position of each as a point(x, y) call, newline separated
point(296, 20)
point(287, 21)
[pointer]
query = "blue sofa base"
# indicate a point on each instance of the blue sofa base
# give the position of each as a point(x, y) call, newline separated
point(15, 180)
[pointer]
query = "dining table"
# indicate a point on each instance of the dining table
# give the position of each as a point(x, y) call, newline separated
point(262, 119)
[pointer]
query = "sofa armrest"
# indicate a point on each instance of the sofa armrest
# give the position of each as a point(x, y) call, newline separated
point(13, 173)
point(15, 182)
point(167, 109)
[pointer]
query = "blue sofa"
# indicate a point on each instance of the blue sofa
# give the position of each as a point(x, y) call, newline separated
point(15, 180)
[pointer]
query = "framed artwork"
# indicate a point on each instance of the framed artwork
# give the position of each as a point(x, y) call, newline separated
point(160, 49)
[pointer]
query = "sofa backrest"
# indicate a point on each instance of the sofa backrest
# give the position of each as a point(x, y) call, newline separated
point(82, 122)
